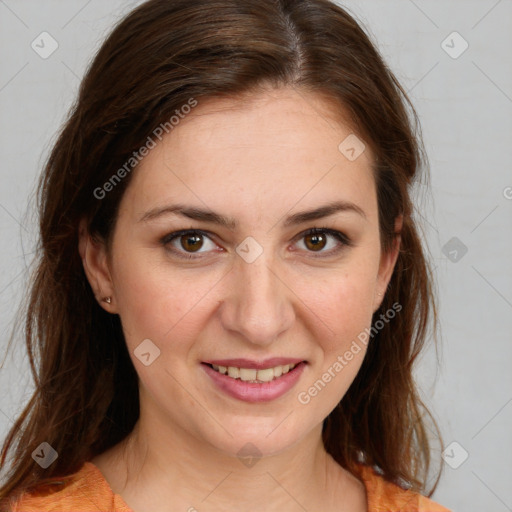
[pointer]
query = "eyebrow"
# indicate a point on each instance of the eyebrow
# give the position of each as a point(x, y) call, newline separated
point(231, 224)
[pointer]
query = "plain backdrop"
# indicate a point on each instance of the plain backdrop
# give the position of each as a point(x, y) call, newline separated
point(453, 57)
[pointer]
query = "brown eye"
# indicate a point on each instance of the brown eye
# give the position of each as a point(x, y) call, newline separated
point(187, 243)
point(324, 241)
point(191, 242)
point(315, 241)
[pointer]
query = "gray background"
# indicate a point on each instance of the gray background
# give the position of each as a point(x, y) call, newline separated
point(465, 105)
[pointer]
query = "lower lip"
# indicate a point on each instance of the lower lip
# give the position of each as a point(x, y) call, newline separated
point(253, 392)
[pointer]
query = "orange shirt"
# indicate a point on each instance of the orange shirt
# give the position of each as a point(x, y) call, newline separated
point(88, 491)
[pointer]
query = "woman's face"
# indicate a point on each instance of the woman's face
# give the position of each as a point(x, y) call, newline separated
point(256, 287)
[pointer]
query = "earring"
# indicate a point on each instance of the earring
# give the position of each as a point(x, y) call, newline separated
point(108, 300)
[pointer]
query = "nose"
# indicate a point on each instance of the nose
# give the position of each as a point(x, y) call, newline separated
point(259, 303)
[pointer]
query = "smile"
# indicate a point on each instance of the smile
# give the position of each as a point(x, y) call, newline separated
point(254, 385)
point(252, 375)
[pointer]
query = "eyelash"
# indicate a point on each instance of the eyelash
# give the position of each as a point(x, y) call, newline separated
point(341, 237)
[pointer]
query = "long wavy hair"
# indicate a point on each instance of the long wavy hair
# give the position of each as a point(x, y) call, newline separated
point(158, 57)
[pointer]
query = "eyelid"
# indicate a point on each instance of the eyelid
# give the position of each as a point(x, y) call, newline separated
point(341, 237)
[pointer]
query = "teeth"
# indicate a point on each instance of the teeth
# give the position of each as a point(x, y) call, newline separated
point(253, 375)
point(265, 375)
point(233, 372)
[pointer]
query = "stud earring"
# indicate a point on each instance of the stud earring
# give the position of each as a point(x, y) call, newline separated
point(108, 300)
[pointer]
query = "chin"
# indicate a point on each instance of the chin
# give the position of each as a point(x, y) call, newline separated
point(260, 439)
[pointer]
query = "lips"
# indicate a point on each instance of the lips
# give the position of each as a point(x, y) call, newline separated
point(249, 390)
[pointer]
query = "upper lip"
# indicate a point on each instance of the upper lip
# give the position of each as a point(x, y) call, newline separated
point(257, 365)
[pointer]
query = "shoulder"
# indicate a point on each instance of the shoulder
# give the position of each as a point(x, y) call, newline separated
point(84, 491)
point(385, 496)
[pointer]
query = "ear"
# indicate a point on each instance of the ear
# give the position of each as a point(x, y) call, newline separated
point(387, 265)
point(95, 261)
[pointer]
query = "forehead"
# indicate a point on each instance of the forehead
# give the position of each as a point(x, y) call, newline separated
point(267, 151)
point(263, 122)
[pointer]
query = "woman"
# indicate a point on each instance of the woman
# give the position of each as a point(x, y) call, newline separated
point(231, 290)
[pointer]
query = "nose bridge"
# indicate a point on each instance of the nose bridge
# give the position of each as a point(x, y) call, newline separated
point(260, 308)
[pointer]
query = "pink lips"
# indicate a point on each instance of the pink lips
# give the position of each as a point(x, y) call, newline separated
point(254, 392)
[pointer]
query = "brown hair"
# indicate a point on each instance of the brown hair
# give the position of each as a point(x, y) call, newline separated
point(161, 55)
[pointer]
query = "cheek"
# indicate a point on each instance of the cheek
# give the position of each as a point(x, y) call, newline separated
point(341, 313)
point(341, 305)
point(157, 301)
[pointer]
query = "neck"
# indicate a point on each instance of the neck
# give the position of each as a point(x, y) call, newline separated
point(155, 466)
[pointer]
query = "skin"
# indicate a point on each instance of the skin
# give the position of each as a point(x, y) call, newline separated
point(257, 160)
